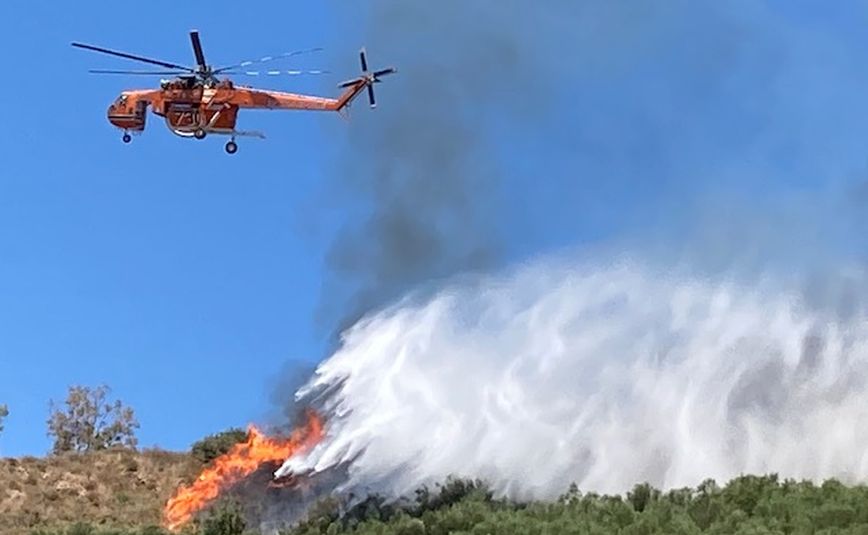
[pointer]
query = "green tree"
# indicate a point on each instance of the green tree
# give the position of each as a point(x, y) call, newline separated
point(642, 495)
point(213, 446)
point(88, 421)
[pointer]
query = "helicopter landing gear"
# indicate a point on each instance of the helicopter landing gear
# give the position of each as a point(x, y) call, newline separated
point(127, 138)
point(231, 147)
point(199, 133)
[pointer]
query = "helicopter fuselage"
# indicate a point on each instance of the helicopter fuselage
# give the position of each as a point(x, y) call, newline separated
point(194, 110)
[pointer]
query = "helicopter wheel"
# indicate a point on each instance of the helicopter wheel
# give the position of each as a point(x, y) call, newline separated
point(199, 133)
point(231, 147)
point(127, 138)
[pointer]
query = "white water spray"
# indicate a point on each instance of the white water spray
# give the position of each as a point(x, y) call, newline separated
point(602, 376)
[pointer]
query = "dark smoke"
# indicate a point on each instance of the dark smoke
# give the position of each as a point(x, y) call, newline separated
point(274, 506)
point(592, 104)
point(423, 166)
point(422, 176)
point(286, 415)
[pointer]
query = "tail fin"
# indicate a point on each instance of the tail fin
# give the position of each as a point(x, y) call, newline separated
point(365, 81)
point(355, 87)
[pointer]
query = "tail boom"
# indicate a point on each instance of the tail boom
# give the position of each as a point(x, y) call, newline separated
point(256, 98)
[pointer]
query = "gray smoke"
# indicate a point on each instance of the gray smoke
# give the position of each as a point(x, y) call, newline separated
point(514, 127)
point(423, 170)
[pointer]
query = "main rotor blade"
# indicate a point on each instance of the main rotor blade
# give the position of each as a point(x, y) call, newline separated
point(266, 59)
point(133, 57)
point(272, 73)
point(383, 72)
point(155, 73)
point(197, 49)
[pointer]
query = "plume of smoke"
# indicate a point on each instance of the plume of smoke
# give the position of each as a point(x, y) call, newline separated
point(518, 125)
point(422, 167)
point(602, 374)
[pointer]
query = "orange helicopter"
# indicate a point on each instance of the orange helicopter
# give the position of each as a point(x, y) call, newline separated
point(201, 101)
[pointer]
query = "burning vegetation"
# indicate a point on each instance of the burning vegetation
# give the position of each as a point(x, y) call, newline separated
point(242, 460)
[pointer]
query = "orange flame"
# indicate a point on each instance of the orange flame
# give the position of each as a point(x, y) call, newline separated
point(241, 461)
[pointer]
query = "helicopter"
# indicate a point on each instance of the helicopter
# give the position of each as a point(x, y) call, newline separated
point(203, 100)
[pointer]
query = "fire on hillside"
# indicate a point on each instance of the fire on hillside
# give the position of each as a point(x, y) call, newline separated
point(242, 460)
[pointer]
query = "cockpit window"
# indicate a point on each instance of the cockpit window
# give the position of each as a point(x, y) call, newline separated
point(121, 99)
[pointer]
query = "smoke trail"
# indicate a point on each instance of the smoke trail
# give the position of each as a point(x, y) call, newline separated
point(599, 374)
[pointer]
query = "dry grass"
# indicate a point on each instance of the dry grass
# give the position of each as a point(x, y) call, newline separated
point(116, 489)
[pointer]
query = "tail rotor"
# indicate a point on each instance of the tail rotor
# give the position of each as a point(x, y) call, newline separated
point(369, 78)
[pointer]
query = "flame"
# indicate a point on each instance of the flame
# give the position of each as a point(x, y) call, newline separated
point(242, 460)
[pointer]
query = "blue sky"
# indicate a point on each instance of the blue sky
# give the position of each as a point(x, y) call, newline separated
point(188, 280)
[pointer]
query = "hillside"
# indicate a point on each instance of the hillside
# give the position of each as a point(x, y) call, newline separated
point(118, 488)
point(123, 492)
point(746, 505)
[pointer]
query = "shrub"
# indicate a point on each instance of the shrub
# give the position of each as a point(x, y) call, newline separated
point(213, 446)
point(225, 519)
point(642, 495)
point(452, 491)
